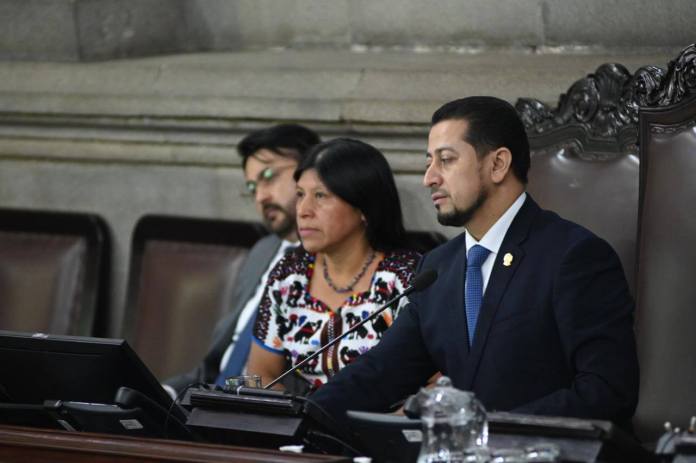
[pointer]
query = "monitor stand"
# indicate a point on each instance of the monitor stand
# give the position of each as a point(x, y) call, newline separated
point(131, 414)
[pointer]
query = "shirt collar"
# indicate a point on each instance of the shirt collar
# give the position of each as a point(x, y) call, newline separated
point(493, 238)
point(285, 245)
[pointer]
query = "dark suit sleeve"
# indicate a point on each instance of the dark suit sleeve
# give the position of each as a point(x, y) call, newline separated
point(594, 313)
point(390, 371)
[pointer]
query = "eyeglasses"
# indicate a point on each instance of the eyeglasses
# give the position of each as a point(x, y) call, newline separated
point(266, 176)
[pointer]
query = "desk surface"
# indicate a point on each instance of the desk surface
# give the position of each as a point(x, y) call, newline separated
point(30, 445)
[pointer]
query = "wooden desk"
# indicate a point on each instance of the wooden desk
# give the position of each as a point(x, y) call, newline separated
point(31, 445)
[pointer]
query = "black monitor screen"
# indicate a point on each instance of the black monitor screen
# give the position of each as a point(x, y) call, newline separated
point(38, 367)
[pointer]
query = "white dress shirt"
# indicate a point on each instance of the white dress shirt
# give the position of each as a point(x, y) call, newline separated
point(493, 238)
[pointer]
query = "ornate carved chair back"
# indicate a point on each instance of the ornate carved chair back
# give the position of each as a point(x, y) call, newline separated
point(666, 293)
point(585, 156)
point(585, 164)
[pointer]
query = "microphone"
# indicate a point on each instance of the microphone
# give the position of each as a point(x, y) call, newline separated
point(424, 279)
point(420, 282)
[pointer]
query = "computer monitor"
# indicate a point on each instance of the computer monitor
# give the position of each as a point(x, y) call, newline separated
point(49, 379)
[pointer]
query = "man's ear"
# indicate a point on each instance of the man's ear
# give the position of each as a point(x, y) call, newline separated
point(501, 160)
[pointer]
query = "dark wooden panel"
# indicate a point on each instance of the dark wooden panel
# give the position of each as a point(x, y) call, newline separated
point(26, 445)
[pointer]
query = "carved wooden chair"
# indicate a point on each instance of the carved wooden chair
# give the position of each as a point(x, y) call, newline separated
point(585, 165)
point(585, 155)
point(180, 283)
point(54, 270)
point(666, 294)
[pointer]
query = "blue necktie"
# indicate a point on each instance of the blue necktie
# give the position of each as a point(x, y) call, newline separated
point(240, 353)
point(473, 294)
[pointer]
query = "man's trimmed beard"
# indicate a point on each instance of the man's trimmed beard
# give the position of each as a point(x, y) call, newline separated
point(459, 218)
point(286, 226)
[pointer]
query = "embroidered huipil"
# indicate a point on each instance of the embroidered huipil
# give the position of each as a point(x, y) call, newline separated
point(293, 323)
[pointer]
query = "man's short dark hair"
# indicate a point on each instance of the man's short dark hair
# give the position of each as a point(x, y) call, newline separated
point(493, 123)
point(360, 175)
point(291, 140)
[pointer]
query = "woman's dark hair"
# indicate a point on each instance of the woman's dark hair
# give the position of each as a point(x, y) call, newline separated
point(359, 174)
point(493, 123)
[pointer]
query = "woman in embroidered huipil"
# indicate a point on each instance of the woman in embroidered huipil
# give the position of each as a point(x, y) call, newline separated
point(351, 262)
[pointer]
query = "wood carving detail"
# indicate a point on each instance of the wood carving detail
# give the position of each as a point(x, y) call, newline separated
point(606, 102)
point(671, 130)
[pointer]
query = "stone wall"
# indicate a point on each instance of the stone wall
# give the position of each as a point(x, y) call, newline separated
point(74, 30)
point(132, 137)
point(83, 131)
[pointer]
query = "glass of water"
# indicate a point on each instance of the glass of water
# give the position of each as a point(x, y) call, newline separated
point(235, 382)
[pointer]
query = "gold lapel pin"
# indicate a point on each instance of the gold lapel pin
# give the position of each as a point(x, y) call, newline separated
point(507, 259)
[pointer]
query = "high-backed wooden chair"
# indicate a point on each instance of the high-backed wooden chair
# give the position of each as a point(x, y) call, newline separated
point(585, 165)
point(585, 156)
point(181, 276)
point(54, 270)
point(666, 293)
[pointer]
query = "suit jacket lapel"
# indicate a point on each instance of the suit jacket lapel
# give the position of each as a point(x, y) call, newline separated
point(501, 276)
point(247, 280)
point(253, 270)
point(454, 300)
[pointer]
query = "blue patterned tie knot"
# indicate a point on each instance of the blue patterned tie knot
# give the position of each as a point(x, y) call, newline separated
point(473, 294)
point(477, 255)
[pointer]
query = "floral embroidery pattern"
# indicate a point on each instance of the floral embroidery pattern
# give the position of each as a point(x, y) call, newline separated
point(292, 322)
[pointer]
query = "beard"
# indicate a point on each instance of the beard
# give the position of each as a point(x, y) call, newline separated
point(283, 226)
point(459, 217)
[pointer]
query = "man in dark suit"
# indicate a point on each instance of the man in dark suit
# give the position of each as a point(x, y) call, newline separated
point(269, 158)
point(529, 311)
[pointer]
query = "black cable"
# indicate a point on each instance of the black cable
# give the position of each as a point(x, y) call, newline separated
point(175, 402)
point(331, 438)
point(329, 423)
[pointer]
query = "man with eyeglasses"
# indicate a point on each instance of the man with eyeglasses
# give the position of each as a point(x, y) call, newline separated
point(269, 158)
